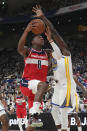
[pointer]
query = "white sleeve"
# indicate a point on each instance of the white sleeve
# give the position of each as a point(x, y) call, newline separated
point(57, 52)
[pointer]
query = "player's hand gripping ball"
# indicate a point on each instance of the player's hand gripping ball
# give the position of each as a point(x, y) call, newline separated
point(39, 26)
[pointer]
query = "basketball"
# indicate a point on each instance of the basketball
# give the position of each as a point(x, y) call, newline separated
point(40, 26)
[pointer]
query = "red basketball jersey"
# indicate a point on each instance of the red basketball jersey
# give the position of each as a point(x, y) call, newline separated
point(20, 102)
point(36, 65)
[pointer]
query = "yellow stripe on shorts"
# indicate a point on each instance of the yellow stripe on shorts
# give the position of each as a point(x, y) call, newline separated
point(77, 108)
point(68, 81)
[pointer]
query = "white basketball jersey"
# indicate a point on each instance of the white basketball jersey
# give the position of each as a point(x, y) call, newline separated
point(66, 84)
point(63, 72)
point(65, 89)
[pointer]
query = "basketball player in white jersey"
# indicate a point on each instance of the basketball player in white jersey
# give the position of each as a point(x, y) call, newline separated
point(3, 116)
point(65, 88)
point(64, 93)
point(57, 98)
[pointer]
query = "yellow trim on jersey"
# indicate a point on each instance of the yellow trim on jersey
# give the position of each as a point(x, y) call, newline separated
point(66, 77)
point(77, 109)
point(68, 81)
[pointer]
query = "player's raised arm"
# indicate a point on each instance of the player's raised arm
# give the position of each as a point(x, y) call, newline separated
point(59, 41)
point(21, 49)
point(57, 53)
point(21, 45)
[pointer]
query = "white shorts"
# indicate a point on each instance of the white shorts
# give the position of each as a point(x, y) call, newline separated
point(59, 96)
point(33, 84)
point(2, 112)
point(75, 108)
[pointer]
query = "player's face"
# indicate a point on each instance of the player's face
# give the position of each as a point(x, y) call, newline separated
point(38, 40)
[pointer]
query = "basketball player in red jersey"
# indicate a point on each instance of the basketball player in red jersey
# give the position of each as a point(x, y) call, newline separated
point(21, 111)
point(33, 82)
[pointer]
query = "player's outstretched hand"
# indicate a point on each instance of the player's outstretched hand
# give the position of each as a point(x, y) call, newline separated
point(38, 11)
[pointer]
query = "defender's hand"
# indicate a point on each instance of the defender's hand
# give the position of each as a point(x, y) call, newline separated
point(38, 11)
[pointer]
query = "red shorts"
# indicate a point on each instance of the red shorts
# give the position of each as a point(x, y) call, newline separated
point(21, 112)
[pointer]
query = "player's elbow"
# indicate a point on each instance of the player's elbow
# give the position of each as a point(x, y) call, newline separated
point(19, 49)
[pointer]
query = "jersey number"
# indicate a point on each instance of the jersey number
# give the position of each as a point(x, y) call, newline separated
point(39, 64)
